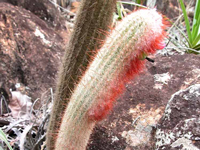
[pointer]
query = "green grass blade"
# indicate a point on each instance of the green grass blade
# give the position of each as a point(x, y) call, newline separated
point(196, 20)
point(195, 28)
point(2, 135)
point(196, 40)
point(197, 47)
point(4, 139)
point(119, 10)
point(187, 23)
point(138, 1)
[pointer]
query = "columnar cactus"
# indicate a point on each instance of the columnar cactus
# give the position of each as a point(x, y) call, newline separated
point(120, 58)
point(93, 16)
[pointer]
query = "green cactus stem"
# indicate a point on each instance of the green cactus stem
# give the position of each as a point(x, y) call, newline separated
point(120, 58)
point(93, 16)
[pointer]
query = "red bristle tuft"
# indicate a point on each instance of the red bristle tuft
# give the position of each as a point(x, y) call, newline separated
point(100, 111)
point(134, 68)
point(131, 67)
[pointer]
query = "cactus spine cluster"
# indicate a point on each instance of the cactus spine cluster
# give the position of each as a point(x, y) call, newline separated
point(120, 58)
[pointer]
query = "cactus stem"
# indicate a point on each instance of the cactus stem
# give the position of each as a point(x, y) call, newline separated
point(117, 62)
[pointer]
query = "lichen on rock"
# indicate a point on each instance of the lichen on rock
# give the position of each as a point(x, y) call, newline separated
point(180, 125)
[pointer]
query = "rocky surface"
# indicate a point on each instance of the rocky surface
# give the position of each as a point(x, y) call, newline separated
point(30, 49)
point(44, 9)
point(132, 123)
point(179, 129)
point(32, 42)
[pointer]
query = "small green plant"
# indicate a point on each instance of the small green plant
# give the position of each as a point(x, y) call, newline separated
point(193, 34)
point(4, 139)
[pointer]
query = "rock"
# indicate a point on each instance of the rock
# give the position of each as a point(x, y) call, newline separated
point(139, 109)
point(44, 9)
point(140, 137)
point(105, 140)
point(171, 8)
point(30, 50)
point(179, 127)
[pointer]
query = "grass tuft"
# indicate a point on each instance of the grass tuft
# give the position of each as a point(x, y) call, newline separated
point(193, 34)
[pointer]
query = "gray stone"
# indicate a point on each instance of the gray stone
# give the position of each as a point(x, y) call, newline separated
point(179, 128)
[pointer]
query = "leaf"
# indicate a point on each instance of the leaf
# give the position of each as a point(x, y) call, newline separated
point(138, 1)
point(196, 40)
point(187, 23)
point(119, 10)
point(4, 139)
point(197, 47)
point(196, 20)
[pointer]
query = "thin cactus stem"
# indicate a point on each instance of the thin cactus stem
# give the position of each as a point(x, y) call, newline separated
point(93, 16)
